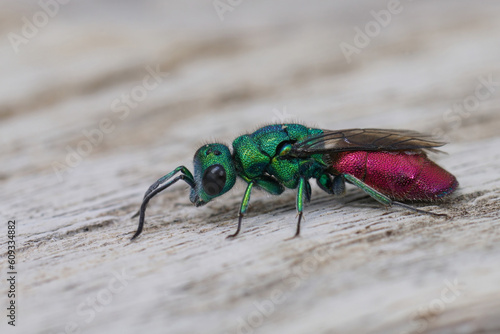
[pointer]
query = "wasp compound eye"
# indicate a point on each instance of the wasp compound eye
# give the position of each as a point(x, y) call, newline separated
point(214, 180)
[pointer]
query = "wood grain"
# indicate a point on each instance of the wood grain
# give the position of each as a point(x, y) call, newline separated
point(357, 268)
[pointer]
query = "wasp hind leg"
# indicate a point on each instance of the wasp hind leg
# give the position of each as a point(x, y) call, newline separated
point(335, 187)
point(381, 198)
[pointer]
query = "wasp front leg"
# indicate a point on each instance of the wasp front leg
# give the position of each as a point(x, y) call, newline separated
point(264, 182)
point(243, 208)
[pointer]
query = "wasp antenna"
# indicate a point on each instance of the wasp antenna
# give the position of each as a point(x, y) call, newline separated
point(153, 193)
point(135, 215)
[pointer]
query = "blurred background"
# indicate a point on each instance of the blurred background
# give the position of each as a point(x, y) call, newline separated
point(100, 98)
point(65, 65)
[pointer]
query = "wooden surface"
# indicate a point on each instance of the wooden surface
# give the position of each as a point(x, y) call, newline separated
point(357, 268)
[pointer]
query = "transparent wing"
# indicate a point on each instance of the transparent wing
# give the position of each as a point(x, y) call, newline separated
point(364, 140)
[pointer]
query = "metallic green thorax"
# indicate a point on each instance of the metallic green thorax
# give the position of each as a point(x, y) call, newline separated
point(259, 155)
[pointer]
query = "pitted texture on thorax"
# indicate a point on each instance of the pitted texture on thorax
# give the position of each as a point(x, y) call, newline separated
point(258, 153)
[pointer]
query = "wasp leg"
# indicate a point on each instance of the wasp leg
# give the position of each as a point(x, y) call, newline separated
point(308, 192)
point(338, 186)
point(325, 183)
point(381, 198)
point(301, 196)
point(335, 187)
point(269, 184)
point(243, 208)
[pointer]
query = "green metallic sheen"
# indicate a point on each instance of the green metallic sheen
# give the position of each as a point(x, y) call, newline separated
point(300, 195)
point(246, 198)
point(205, 157)
point(257, 154)
point(324, 181)
point(381, 198)
point(181, 169)
point(260, 159)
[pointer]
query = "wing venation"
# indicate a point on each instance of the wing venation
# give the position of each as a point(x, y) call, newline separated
point(365, 140)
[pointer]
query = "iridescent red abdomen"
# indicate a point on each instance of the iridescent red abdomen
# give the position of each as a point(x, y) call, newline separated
point(400, 175)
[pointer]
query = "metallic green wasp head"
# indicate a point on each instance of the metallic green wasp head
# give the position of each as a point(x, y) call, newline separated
point(214, 173)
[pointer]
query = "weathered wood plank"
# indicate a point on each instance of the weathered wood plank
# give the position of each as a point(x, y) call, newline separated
point(356, 269)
